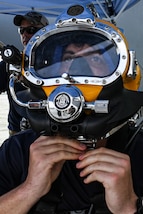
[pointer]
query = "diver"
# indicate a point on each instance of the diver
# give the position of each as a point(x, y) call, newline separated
point(82, 155)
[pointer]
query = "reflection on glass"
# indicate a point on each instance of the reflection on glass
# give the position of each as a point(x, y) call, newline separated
point(76, 53)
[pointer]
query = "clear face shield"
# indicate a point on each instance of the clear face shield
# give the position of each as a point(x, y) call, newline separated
point(75, 54)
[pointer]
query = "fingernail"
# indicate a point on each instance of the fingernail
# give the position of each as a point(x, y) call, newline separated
point(82, 145)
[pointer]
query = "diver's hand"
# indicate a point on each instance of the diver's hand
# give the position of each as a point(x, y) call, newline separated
point(47, 156)
point(113, 170)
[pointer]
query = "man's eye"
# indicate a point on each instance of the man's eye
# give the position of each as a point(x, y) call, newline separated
point(96, 59)
point(68, 59)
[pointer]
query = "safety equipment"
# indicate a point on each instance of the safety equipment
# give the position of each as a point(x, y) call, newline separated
point(83, 80)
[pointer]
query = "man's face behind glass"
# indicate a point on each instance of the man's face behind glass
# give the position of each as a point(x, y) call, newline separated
point(88, 55)
point(79, 57)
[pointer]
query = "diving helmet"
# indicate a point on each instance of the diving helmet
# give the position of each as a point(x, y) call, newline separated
point(82, 79)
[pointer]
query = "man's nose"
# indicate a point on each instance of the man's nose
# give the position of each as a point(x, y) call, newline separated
point(80, 66)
